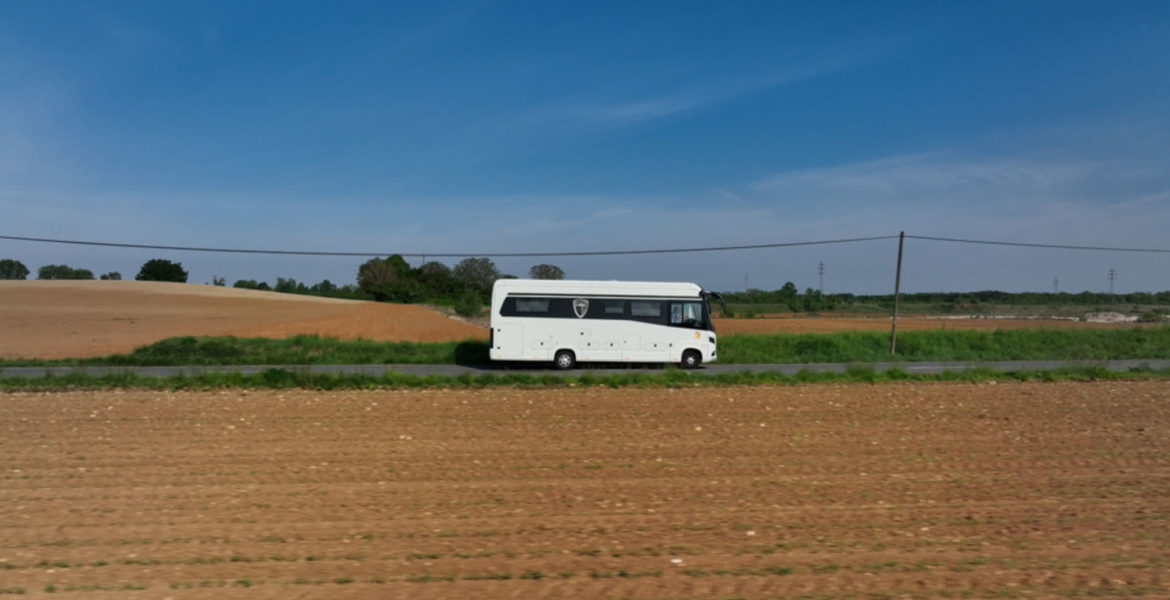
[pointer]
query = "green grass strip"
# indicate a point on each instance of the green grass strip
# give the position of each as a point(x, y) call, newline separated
point(915, 346)
point(848, 347)
point(673, 378)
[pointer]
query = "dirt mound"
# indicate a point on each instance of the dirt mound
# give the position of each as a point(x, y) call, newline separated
point(71, 319)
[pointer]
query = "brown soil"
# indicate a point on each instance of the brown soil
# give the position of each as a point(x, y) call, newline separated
point(75, 319)
point(828, 491)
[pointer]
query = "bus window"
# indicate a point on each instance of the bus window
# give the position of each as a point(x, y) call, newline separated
point(532, 305)
point(687, 314)
point(645, 308)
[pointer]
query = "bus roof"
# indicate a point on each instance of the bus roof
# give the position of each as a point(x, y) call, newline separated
point(595, 288)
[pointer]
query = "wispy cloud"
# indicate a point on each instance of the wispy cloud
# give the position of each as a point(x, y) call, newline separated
point(1020, 198)
point(934, 178)
point(699, 93)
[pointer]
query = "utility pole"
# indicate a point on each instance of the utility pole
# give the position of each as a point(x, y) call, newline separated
point(1055, 286)
point(821, 274)
point(746, 287)
point(897, 295)
point(1112, 277)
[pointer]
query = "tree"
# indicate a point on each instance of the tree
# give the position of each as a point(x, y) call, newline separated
point(13, 269)
point(546, 272)
point(218, 281)
point(436, 278)
point(157, 269)
point(476, 274)
point(326, 287)
point(289, 286)
point(390, 279)
point(377, 276)
point(63, 272)
point(111, 276)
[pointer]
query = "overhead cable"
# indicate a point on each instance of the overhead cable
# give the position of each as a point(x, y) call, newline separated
point(448, 254)
point(584, 252)
point(1032, 245)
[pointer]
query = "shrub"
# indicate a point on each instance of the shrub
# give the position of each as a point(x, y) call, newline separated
point(13, 269)
point(468, 304)
point(157, 269)
point(63, 272)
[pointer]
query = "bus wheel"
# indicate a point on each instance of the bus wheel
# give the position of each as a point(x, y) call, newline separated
point(691, 359)
point(564, 360)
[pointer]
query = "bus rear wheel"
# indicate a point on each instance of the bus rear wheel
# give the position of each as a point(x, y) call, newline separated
point(691, 359)
point(564, 360)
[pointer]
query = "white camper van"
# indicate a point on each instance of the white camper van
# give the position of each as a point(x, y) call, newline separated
point(566, 322)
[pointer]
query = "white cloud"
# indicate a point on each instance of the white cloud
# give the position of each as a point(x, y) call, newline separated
point(699, 92)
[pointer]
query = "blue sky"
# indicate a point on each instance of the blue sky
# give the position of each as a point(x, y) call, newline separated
point(545, 127)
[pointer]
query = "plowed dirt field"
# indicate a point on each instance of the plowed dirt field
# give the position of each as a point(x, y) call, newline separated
point(81, 319)
point(826, 491)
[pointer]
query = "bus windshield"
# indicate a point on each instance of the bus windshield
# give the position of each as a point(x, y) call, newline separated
point(692, 315)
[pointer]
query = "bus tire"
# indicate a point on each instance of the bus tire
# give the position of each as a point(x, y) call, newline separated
point(691, 359)
point(564, 360)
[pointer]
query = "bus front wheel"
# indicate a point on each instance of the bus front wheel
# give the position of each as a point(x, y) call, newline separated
point(691, 359)
point(564, 360)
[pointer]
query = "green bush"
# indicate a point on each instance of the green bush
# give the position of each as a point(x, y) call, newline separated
point(468, 304)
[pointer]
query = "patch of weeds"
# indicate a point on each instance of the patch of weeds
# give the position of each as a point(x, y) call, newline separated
point(342, 580)
point(53, 564)
point(534, 575)
point(428, 578)
point(12, 590)
point(484, 554)
point(488, 577)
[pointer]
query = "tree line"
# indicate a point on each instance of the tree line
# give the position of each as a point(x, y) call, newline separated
point(152, 270)
point(467, 286)
point(814, 301)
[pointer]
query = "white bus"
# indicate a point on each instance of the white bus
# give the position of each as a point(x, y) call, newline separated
point(566, 322)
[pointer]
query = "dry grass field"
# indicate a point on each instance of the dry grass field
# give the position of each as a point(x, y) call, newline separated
point(826, 491)
point(81, 319)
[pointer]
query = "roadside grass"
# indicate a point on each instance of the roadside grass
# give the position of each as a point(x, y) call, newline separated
point(915, 346)
point(671, 378)
point(846, 347)
point(297, 350)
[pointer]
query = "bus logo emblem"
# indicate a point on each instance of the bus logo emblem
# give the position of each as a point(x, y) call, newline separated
point(580, 307)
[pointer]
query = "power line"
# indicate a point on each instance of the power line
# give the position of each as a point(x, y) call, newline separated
point(1031, 245)
point(448, 255)
point(579, 253)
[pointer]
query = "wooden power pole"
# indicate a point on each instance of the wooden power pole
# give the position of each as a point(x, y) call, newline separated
point(897, 294)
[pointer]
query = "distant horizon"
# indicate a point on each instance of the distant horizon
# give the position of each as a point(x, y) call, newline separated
point(801, 289)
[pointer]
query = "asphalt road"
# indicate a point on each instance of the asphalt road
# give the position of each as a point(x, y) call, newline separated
point(925, 368)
